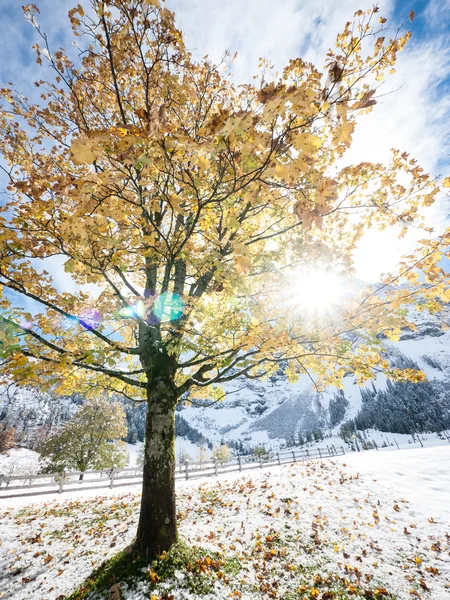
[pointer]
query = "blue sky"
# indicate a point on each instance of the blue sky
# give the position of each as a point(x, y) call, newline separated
point(414, 117)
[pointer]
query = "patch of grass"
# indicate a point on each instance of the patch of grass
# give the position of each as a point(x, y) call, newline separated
point(57, 534)
point(334, 587)
point(211, 495)
point(122, 567)
point(232, 565)
point(200, 569)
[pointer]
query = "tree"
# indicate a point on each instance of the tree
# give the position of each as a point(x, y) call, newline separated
point(337, 408)
point(38, 436)
point(259, 451)
point(90, 440)
point(222, 453)
point(317, 435)
point(190, 205)
point(202, 455)
point(183, 456)
point(141, 456)
point(7, 438)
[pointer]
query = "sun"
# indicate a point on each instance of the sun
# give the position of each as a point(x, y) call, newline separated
point(317, 291)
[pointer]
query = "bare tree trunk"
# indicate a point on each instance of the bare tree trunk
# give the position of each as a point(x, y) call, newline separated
point(157, 528)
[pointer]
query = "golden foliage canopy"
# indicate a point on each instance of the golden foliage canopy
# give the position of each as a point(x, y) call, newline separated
point(185, 200)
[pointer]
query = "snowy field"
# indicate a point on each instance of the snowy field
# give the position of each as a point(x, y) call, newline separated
point(19, 461)
point(422, 475)
point(374, 524)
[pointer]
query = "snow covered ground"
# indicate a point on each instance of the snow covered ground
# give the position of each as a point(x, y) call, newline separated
point(19, 461)
point(369, 521)
point(134, 451)
point(422, 475)
point(384, 441)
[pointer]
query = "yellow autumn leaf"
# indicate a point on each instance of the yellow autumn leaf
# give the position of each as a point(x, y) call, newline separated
point(307, 143)
point(345, 133)
point(327, 191)
point(393, 335)
point(81, 154)
point(202, 162)
point(366, 101)
point(242, 264)
point(446, 182)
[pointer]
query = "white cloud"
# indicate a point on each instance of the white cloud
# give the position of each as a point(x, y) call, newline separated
point(437, 14)
point(18, 37)
point(410, 117)
point(278, 31)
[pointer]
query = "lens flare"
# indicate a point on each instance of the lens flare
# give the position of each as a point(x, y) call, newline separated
point(168, 307)
point(317, 291)
point(139, 309)
point(91, 317)
point(129, 312)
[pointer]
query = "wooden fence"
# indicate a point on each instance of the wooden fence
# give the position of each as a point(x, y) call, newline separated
point(47, 483)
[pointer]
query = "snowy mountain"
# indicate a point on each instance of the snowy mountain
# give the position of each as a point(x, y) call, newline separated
point(33, 414)
point(276, 413)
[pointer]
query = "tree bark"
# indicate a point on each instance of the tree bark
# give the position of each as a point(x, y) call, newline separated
point(157, 528)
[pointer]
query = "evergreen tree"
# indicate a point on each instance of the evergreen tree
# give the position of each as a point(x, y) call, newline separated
point(259, 451)
point(346, 430)
point(238, 446)
point(317, 435)
point(337, 408)
point(405, 407)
